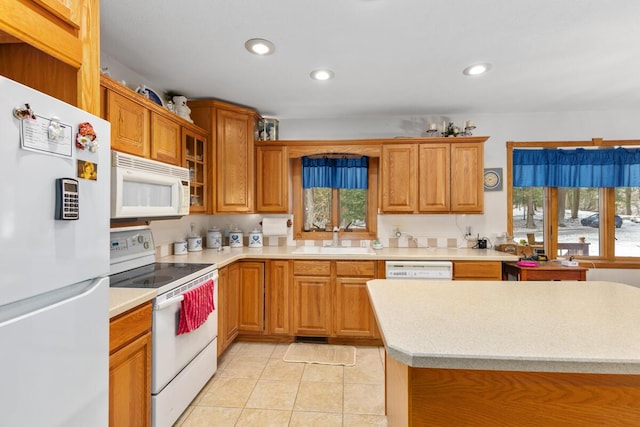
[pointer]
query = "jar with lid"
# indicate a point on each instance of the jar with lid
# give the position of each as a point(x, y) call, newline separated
point(255, 238)
point(214, 238)
point(235, 238)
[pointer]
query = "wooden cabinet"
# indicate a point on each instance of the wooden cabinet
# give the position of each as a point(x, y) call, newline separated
point(353, 313)
point(50, 45)
point(232, 132)
point(272, 180)
point(251, 289)
point(194, 153)
point(434, 178)
point(130, 124)
point(130, 368)
point(143, 128)
point(399, 178)
point(467, 170)
point(228, 305)
point(441, 175)
point(166, 140)
point(278, 300)
point(477, 270)
point(312, 298)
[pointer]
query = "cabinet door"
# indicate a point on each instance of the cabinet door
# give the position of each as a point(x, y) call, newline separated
point(130, 384)
point(477, 270)
point(312, 305)
point(272, 185)
point(354, 316)
point(129, 125)
point(399, 177)
point(194, 155)
point(229, 305)
point(235, 163)
point(434, 184)
point(277, 288)
point(166, 140)
point(467, 167)
point(251, 318)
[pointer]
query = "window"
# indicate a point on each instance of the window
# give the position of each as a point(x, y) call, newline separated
point(322, 206)
point(564, 198)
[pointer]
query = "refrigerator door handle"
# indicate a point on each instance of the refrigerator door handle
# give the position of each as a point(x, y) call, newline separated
point(164, 304)
point(32, 306)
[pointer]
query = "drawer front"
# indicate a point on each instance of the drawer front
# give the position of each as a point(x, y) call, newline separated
point(312, 268)
point(488, 270)
point(356, 268)
point(129, 325)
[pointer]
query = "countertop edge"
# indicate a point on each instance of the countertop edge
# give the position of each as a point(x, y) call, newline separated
point(122, 300)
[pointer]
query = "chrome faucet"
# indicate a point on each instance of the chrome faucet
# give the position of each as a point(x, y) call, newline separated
point(336, 237)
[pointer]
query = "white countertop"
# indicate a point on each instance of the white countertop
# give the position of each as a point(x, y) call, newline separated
point(230, 255)
point(568, 326)
point(124, 299)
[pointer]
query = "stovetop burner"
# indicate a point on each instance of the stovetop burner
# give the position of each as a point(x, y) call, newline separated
point(155, 275)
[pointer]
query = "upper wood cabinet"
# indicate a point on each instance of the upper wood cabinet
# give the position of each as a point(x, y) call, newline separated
point(130, 124)
point(272, 183)
point(143, 128)
point(433, 176)
point(194, 155)
point(232, 131)
point(60, 38)
point(399, 178)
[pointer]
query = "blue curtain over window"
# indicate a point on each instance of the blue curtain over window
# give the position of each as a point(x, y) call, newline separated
point(615, 167)
point(350, 173)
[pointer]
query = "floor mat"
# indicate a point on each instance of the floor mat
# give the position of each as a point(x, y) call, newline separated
point(324, 354)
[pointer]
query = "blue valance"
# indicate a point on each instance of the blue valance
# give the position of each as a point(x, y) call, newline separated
point(335, 172)
point(614, 167)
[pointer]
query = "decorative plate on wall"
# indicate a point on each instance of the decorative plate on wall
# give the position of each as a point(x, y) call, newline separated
point(493, 179)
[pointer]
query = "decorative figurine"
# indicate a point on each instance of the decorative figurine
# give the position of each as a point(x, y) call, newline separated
point(181, 108)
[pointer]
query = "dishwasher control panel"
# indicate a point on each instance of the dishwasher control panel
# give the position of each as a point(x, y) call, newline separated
point(422, 270)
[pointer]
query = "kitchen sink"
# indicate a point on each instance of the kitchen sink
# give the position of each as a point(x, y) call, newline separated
point(329, 250)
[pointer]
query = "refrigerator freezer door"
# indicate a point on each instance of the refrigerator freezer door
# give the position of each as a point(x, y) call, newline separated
point(55, 371)
point(38, 252)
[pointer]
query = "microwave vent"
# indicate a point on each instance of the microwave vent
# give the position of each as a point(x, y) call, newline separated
point(138, 163)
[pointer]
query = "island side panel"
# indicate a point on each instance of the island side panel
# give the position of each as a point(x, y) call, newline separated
point(397, 389)
point(490, 398)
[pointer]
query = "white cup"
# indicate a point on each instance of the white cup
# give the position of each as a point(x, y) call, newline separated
point(180, 248)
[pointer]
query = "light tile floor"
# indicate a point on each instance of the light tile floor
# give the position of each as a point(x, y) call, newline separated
point(255, 387)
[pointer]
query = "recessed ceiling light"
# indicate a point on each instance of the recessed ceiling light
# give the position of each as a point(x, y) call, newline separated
point(476, 69)
point(260, 46)
point(322, 74)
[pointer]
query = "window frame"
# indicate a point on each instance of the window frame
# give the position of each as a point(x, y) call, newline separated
point(298, 206)
point(606, 257)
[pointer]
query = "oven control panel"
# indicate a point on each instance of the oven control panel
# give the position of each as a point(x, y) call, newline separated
point(130, 242)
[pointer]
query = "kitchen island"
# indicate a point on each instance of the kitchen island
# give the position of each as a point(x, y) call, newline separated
point(501, 353)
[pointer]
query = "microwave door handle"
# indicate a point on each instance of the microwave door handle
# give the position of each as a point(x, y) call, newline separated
point(164, 304)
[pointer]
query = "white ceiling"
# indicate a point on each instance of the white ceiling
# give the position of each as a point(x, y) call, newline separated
point(390, 57)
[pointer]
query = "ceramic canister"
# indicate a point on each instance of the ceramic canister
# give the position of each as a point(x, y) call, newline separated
point(255, 238)
point(180, 248)
point(214, 238)
point(235, 238)
point(194, 243)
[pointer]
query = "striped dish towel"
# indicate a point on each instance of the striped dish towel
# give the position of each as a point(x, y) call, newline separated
point(196, 307)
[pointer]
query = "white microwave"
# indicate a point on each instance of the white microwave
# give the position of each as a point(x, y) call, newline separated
point(143, 188)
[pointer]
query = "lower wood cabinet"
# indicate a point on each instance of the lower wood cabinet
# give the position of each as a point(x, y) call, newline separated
point(277, 298)
point(130, 368)
point(353, 313)
point(228, 305)
point(477, 270)
point(251, 286)
point(312, 298)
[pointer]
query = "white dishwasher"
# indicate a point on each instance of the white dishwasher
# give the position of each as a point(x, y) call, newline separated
point(419, 270)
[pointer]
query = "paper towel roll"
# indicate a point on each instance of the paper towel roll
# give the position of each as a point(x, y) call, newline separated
point(274, 226)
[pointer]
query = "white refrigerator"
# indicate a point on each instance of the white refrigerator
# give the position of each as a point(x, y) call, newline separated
point(54, 262)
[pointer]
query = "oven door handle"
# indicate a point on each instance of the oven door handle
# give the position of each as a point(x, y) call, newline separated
point(164, 304)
